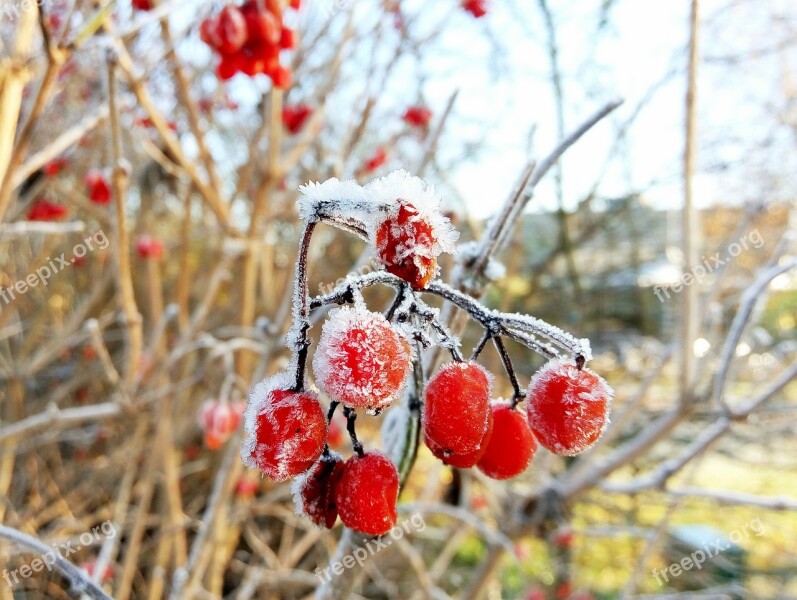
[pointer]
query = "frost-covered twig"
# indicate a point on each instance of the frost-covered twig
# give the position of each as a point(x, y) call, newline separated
point(79, 581)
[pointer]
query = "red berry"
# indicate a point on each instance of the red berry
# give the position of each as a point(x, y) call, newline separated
point(294, 117)
point(478, 8)
point(246, 488)
point(90, 566)
point(142, 4)
point(287, 39)
point(287, 431)
point(44, 210)
point(361, 360)
point(367, 492)
point(263, 26)
point(469, 459)
point(98, 189)
point(314, 492)
point(456, 409)
point(55, 166)
point(219, 420)
point(209, 33)
point(337, 431)
point(405, 245)
point(282, 77)
point(563, 538)
point(296, 4)
point(568, 409)
point(232, 29)
point(149, 247)
point(417, 116)
point(378, 159)
point(511, 446)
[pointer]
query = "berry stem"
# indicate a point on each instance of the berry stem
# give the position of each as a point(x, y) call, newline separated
point(477, 350)
point(414, 404)
point(509, 368)
point(301, 316)
point(351, 417)
point(401, 295)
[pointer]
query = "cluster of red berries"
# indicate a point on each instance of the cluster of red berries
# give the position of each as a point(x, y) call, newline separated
point(566, 411)
point(363, 360)
point(249, 40)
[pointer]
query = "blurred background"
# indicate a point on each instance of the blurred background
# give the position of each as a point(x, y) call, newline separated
point(167, 187)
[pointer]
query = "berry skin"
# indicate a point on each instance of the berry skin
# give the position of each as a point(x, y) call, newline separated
point(314, 492)
point(456, 409)
point(469, 459)
point(567, 409)
point(512, 445)
point(287, 430)
point(361, 360)
point(405, 245)
point(367, 492)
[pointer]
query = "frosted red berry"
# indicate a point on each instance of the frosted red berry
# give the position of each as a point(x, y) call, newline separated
point(97, 187)
point(511, 446)
point(468, 459)
point(287, 432)
point(456, 408)
point(361, 360)
point(314, 492)
point(405, 244)
point(567, 408)
point(367, 493)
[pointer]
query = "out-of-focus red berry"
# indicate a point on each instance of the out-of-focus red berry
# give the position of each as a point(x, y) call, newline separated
point(143, 4)
point(563, 538)
point(287, 435)
point(294, 117)
point(511, 445)
point(361, 360)
point(282, 77)
point(417, 116)
point(478, 8)
point(55, 166)
point(263, 26)
point(149, 247)
point(287, 39)
point(44, 210)
point(337, 431)
point(405, 246)
point(314, 492)
point(246, 488)
point(296, 4)
point(91, 565)
point(97, 187)
point(567, 408)
point(563, 591)
point(232, 29)
point(218, 421)
point(376, 160)
point(456, 410)
point(367, 492)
